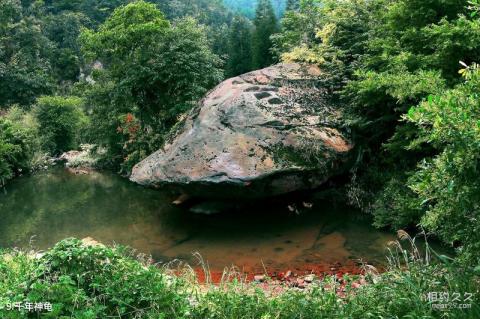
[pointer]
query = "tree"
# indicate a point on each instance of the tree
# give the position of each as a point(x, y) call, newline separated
point(95, 10)
point(278, 7)
point(447, 186)
point(63, 30)
point(211, 13)
point(239, 47)
point(265, 26)
point(59, 119)
point(154, 71)
point(298, 37)
point(15, 149)
point(293, 5)
point(24, 55)
point(382, 57)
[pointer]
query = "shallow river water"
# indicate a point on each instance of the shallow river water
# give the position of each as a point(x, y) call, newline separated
point(37, 211)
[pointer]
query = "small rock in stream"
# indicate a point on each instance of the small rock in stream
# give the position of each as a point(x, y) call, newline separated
point(212, 207)
point(309, 278)
point(181, 199)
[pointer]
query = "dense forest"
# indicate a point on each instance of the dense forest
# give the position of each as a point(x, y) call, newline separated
point(121, 75)
point(54, 53)
point(405, 71)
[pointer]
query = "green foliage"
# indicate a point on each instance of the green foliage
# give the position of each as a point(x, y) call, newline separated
point(24, 63)
point(93, 281)
point(396, 206)
point(358, 36)
point(298, 33)
point(15, 149)
point(381, 57)
point(435, 47)
point(447, 185)
point(63, 30)
point(154, 71)
point(239, 47)
point(265, 26)
point(380, 99)
point(396, 294)
point(63, 21)
point(212, 14)
point(59, 120)
point(90, 282)
point(292, 5)
point(131, 26)
point(95, 10)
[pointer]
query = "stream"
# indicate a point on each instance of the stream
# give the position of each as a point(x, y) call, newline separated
point(39, 210)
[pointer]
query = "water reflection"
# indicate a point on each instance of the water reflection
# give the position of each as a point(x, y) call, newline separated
point(56, 204)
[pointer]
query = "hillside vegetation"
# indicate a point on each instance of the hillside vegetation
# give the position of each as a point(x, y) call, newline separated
point(93, 281)
point(122, 75)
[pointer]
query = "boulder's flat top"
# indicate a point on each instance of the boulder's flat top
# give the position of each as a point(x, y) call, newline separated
point(270, 130)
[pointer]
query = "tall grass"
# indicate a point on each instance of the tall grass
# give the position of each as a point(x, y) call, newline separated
point(100, 282)
point(400, 292)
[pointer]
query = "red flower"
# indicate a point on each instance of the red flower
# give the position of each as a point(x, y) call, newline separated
point(129, 118)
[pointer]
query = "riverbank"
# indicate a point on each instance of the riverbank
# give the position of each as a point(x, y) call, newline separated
point(299, 276)
point(80, 280)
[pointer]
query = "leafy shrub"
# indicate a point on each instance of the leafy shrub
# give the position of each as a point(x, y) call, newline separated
point(84, 281)
point(24, 52)
point(59, 120)
point(16, 148)
point(154, 71)
point(382, 57)
point(448, 185)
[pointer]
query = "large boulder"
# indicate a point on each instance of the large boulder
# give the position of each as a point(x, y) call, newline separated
point(264, 133)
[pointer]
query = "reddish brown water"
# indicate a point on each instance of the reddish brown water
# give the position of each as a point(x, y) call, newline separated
point(40, 210)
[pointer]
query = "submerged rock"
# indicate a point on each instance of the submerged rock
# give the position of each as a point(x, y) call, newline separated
point(264, 133)
point(213, 207)
point(78, 171)
point(86, 158)
point(89, 241)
